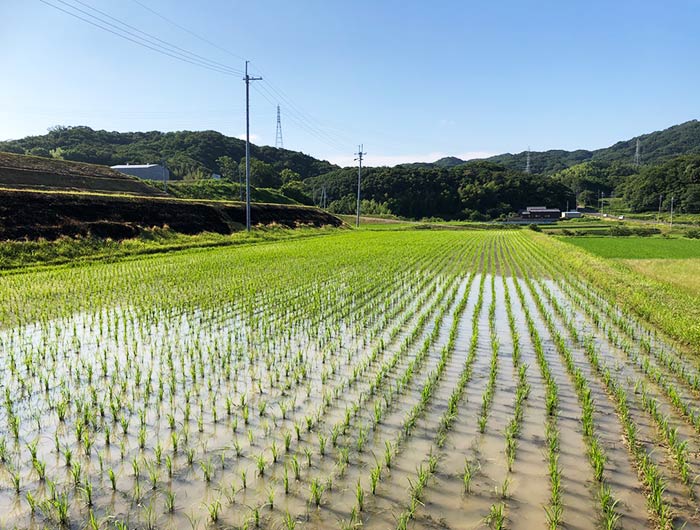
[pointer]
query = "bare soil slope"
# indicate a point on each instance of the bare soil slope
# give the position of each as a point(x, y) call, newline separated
point(33, 172)
point(34, 214)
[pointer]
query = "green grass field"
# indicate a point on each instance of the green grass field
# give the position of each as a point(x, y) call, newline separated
point(683, 274)
point(638, 247)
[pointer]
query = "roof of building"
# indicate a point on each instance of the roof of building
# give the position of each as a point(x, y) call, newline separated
point(542, 210)
point(135, 166)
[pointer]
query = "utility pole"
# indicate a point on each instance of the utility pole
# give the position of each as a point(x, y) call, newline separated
point(661, 198)
point(360, 154)
point(247, 80)
point(672, 211)
point(637, 155)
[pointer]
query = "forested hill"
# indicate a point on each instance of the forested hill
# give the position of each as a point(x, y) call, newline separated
point(477, 190)
point(655, 147)
point(188, 154)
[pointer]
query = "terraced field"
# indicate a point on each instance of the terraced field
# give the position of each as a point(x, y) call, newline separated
point(385, 379)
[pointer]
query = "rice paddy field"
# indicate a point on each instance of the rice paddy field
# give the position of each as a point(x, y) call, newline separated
point(377, 379)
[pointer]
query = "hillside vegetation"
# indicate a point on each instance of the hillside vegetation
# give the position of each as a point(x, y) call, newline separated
point(187, 153)
point(654, 147)
point(448, 188)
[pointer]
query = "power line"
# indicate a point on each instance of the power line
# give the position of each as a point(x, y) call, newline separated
point(197, 36)
point(276, 93)
point(316, 134)
point(142, 38)
point(105, 26)
point(306, 125)
point(215, 64)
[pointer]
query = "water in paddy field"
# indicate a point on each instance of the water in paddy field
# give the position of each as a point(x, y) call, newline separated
point(254, 412)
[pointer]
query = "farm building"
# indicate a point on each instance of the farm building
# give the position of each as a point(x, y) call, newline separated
point(540, 212)
point(145, 171)
point(571, 215)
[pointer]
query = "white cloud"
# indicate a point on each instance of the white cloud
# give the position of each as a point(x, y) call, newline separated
point(392, 160)
point(254, 138)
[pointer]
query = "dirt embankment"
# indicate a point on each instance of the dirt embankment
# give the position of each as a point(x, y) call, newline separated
point(33, 215)
point(22, 171)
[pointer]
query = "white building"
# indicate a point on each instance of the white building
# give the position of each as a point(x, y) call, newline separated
point(145, 171)
point(571, 215)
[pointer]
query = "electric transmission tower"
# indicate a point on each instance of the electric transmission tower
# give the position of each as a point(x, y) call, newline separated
point(637, 155)
point(278, 138)
point(527, 161)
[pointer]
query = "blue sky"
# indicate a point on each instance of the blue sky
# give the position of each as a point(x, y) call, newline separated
point(412, 80)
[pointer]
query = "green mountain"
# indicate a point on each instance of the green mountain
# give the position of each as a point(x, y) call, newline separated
point(187, 153)
point(450, 187)
point(654, 147)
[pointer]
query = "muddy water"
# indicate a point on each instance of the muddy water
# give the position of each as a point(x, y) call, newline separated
point(325, 469)
point(577, 478)
point(446, 505)
point(187, 482)
point(628, 374)
point(620, 472)
point(392, 492)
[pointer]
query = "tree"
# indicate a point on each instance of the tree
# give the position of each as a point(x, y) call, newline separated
point(288, 175)
point(39, 151)
point(587, 197)
point(228, 167)
point(295, 190)
point(262, 175)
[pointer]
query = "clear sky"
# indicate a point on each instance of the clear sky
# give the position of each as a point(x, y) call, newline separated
point(412, 80)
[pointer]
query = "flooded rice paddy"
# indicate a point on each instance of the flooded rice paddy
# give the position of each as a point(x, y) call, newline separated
point(380, 380)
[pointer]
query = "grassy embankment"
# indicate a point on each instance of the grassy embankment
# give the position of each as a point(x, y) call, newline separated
point(67, 250)
point(655, 277)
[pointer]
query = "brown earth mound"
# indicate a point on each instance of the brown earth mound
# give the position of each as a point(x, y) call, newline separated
point(22, 171)
point(33, 215)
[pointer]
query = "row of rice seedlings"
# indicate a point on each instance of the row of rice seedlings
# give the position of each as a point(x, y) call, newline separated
point(424, 472)
point(489, 391)
point(555, 510)
point(596, 453)
point(522, 390)
point(648, 471)
point(677, 447)
point(343, 425)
